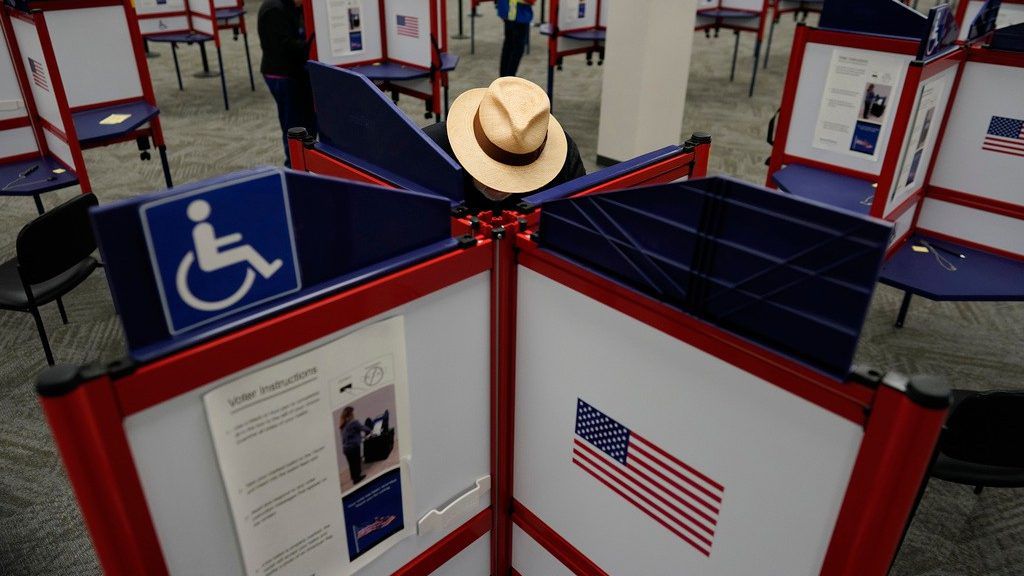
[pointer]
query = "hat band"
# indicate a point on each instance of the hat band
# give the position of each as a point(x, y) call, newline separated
point(500, 154)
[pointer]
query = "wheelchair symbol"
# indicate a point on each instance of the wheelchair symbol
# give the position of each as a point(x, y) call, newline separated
point(212, 253)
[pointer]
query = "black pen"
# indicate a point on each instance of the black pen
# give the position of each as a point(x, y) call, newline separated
point(26, 173)
point(946, 250)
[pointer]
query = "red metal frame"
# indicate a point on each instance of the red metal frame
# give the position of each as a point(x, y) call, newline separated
point(88, 422)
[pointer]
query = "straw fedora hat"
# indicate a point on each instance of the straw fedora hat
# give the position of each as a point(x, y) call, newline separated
point(505, 136)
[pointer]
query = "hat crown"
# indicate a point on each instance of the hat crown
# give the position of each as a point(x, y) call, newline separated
point(514, 115)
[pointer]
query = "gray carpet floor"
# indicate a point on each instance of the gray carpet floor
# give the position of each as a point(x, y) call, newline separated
point(973, 345)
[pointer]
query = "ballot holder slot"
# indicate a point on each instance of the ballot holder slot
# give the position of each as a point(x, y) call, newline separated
point(171, 513)
point(636, 421)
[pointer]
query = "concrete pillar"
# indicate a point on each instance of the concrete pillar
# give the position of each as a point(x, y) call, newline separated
point(646, 68)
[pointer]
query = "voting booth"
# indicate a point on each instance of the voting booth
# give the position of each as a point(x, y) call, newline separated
point(63, 48)
point(574, 27)
point(880, 155)
point(401, 45)
point(194, 22)
point(27, 166)
point(675, 357)
point(738, 16)
point(800, 9)
point(1010, 12)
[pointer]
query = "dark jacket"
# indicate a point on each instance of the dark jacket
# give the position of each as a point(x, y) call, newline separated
point(285, 49)
point(475, 201)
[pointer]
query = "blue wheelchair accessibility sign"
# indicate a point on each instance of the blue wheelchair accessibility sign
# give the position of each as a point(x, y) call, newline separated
point(221, 249)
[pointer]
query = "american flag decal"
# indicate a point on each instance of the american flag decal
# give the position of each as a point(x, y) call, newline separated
point(673, 493)
point(408, 26)
point(1005, 135)
point(38, 74)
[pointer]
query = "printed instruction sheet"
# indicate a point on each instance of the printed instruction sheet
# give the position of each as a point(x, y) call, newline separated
point(860, 93)
point(345, 21)
point(921, 139)
point(313, 452)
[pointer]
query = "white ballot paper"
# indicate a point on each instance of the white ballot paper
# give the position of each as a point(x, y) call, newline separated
point(921, 137)
point(313, 451)
point(860, 93)
point(345, 22)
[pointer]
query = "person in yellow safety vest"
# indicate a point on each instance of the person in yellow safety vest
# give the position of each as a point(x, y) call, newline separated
point(517, 14)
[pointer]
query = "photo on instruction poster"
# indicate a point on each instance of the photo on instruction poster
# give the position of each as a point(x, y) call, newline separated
point(925, 127)
point(355, 30)
point(373, 512)
point(914, 164)
point(865, 137)
point(874, 102)
point(366, 442)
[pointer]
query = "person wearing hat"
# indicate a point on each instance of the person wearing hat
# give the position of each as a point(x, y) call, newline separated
point(507, 141)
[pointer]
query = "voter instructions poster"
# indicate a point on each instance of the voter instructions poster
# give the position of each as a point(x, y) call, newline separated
point(345, 19)
point(860, 94)
point(313, 452)
point(922, 136)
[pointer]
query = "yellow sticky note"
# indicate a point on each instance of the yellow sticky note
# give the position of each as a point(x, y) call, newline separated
point(58, 170)
point(921, 249)
point(115, 119)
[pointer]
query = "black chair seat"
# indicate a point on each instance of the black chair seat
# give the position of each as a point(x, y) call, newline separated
point(963, 472)
point(12, 293)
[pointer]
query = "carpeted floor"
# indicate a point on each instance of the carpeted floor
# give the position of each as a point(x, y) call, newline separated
point(974, 345)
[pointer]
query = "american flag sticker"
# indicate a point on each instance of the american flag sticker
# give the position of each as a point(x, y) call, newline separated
point(38, 74)
point(674, 494)
point(408, 26)
point(1005, 135)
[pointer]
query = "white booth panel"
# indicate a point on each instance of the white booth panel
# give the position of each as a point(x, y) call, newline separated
point(531, 559)
point(200, 7)
point(602, 15)
point(347, 31)
point(979, 226)
point(226, 4)
point(163, 25)
point(12, 102)
point(920, 139)
point(203, 25)
point(40, 77)
point(17, 141)
point(755, 5)
point(573, 14)
point(447, 354)
point(902, 224)
point(475, 560)
point(92, 43)
point(58, 148)
point(408, 31)
point(159, 7)
point(783, 462)
point(809, 95)
point(970, 159)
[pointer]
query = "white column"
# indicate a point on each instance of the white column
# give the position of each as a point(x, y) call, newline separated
point(646, 67)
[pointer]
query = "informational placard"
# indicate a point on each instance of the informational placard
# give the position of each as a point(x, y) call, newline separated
point(920, 139)
point(313, 452)
point(345, 21)
point(857, 103)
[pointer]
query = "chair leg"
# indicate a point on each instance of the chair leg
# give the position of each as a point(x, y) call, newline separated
point(63, 313)
point(42, 335)
point(768, 48)
point(978, 489)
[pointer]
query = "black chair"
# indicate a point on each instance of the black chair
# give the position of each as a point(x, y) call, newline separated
point(982, 443)
point(53, 256)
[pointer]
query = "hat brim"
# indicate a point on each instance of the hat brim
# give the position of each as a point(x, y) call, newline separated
point(490, 172)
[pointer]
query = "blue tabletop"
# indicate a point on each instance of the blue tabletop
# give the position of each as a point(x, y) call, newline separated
point(594, 34)
point(179, 37)
point(844, 192)
point(396, 71)
point(39, 180)
point(727, 13)
point(90, 131)
point(229, 13)
point(978, 276)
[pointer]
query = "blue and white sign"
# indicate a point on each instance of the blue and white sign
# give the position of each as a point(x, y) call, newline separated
point(221, 249)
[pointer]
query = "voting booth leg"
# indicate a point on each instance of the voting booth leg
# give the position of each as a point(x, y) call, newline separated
point(223, 80)
point(165, 164)
point(903, 427)
point(248, 59)
point(735, 52)
point(177, 67)
point(472, 32)
point(551, 85)
point(96, 456)
point(461, 35)
point(205, 73)
point(768, 48)
point(757, 60)
point(39, 204)
point(145, 48)
point(904, 308)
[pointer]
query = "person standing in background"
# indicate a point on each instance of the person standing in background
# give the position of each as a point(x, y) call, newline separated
point(285, 51)
point(517, 15)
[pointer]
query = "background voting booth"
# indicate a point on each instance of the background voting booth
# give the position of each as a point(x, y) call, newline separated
point(798, 8)
point(738, 16)
point(194, 21)
point(401, 45)
point(62, 48)
point(574, 27)
point(925, 142)
point(1010, 12)
point(27, 166)
point(611, 362)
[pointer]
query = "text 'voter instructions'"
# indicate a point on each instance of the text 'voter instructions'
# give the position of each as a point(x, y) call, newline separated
point(221, 249)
